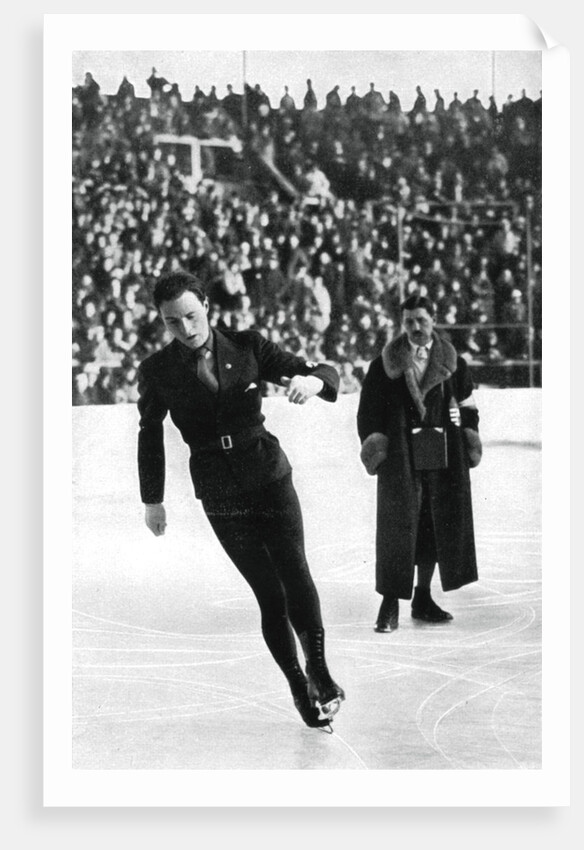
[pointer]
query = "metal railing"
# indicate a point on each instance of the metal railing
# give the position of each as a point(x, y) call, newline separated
point(531, 363)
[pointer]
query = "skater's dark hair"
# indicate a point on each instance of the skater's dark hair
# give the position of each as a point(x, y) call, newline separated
point(418, 302)
point(172, 285)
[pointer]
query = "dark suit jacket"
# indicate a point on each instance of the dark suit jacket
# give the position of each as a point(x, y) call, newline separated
point(168, 384)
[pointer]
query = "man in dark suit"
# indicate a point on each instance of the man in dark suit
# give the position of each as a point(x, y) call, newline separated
point(210, 383)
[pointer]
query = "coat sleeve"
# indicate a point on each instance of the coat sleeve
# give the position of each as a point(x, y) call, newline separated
point(151, 456)
point(276, 364)
point(469, 415)
point(372, 410)
point(463, 390)
point(372, 419)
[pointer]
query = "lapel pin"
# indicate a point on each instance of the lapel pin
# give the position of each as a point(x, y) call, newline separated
point(228, 365)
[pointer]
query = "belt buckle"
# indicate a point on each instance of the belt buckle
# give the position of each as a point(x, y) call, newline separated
point(226, 442)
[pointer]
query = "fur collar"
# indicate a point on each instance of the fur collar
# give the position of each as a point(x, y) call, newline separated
point(397, 359)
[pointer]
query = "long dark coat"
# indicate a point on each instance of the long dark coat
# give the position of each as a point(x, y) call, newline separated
point(391, 404)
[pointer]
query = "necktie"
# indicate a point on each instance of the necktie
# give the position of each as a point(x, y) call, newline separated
point(204, 373)
point(422, 352)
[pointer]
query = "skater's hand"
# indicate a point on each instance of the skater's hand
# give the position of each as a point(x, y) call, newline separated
point(302, 387)
point(455, 416)
point(156, 519)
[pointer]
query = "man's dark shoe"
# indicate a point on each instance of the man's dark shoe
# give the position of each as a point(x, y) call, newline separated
point(388, 617)
point(424, 608)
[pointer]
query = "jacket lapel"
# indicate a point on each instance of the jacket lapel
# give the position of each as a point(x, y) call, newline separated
point(186, 384)
point(229, 361)
point(441, 365)
point(181, 360)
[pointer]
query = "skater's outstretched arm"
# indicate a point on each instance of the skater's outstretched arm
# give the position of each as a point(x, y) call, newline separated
point(276, 364)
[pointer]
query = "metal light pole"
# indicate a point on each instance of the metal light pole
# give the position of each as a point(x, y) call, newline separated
point(493, 59)
point(244, 98)
point(531, 330)
point(400, 251)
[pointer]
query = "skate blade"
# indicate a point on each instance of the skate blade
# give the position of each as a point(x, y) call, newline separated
point(329, 709)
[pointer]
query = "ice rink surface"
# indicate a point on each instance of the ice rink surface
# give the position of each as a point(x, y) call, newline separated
point(170, 670)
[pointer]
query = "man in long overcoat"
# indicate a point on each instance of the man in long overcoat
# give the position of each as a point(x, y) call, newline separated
point(424, 514)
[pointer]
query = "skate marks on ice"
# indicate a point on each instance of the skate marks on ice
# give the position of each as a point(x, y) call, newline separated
point(147, 699)
point(170, 670)
point(459, 695)
point(464, 694)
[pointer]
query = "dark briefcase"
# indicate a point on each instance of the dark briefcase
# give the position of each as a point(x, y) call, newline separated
point(429, 448)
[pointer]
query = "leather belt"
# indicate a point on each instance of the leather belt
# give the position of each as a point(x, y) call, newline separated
point(228, 442)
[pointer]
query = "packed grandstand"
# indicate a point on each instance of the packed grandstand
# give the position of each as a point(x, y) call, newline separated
point(308, 222)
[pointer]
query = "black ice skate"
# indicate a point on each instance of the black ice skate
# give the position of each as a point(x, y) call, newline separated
point(323, 692)
point(305, 706)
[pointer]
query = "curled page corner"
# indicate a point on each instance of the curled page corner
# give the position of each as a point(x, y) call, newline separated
point(543, 40)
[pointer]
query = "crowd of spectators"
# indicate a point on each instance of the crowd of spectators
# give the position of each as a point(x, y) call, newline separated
point(375, 202)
